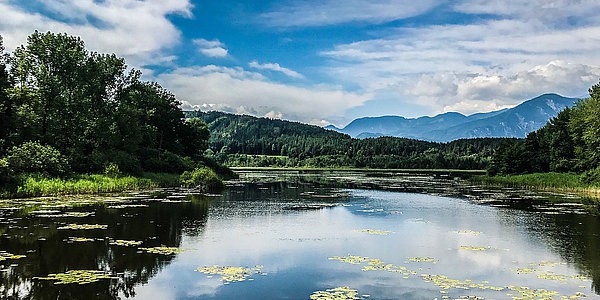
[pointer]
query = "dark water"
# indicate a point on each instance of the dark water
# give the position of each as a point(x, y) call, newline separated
point(301, 231)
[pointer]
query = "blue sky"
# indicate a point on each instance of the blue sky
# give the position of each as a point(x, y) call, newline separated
point(331, 61)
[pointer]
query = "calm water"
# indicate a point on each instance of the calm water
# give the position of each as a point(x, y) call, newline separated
point(308, 236)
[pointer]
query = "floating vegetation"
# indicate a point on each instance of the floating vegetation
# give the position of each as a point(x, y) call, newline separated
point(525, 270)
point(339, 293)
point(473, 248)
point(163, 250)
point(374, 264)
point(121, 206)
point(423, 259)
point(72, 214)
point(126, 243)
point(6, 256)
point(230, 274)
point(77, 277)
point(528, 293)
point(79, 239)
point(447, 283)
point(83, 226)
point(468, 232)
point(375, 231)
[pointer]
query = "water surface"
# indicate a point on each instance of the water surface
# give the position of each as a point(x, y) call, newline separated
point(302, 234)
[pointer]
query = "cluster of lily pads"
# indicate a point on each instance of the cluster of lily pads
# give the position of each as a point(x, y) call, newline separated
point(374, 264)
point(126, 243)
point(80, 239)
point(230, 274)
point(375, 231)
point(6, 256)
point(77, 277)
point(468, 232)
point(83, 227)
point(163, 250)
point(339, 293)
point(474, 248)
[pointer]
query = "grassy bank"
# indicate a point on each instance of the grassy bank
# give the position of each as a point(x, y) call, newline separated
point(562, 182)
point(35, 186)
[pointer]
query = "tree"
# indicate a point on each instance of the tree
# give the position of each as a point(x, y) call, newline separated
point(6, 106)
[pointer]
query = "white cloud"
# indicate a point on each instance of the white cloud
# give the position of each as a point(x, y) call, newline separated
point(211, 48)
point(137, 30)
point(330, 12)
point(473, 67)
point(239, 91)
point(275, 67)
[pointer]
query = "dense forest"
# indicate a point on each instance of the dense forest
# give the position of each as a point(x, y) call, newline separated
point(239, 140)
point(568, 143)
point(64, 109)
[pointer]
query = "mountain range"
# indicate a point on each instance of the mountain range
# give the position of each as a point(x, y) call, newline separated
point(515, 122)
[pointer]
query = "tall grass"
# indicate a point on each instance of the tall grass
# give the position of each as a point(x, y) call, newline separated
point(548, 181)
point(34, 186)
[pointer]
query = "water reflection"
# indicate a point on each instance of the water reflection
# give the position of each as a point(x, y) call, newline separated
point(293, 226)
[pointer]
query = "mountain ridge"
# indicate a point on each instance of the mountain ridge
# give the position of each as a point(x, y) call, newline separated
point(516, 122)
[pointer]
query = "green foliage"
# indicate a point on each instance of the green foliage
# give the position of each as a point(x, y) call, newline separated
point(247, 141)
point(112, 170)
point(592, 177)
point(203, 178)
point(89, 108)
point(33, 157)
point(568, 143)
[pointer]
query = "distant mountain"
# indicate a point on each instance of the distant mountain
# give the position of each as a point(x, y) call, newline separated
point(516, 122)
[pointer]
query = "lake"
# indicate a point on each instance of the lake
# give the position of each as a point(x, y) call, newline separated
point(295, 235)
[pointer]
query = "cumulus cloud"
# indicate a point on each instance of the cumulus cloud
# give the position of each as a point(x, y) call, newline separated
point(475, 67)
point(275, 67)
point(211, 48)
point(239, 91)
point(331, 12)
point(138, 30)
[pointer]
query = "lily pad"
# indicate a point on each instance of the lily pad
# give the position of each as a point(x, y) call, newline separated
point(77, 277)
point(339, 293)
point(230, 274)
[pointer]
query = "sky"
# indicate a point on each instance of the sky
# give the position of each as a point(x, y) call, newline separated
point(329, 61)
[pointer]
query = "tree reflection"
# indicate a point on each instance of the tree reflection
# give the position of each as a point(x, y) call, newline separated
point(48, 250)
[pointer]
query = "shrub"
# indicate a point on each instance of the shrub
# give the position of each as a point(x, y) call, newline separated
point(112, 170)
point(591, 177)
point(33, 157)
point(127, 163)
point(165, 161)
point(203, 178)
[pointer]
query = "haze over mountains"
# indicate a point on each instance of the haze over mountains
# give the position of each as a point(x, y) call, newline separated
point(515, 122)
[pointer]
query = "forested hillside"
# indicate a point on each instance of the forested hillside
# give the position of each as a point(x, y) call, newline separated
point(240, 140)
point(568, 143)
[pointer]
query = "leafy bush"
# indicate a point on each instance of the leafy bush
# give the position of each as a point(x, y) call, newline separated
point(127, 163)
point(203, 178)
point(591, 177)
point(33, 157)
point(165, 161)
point(6, 174)
point(112, 170)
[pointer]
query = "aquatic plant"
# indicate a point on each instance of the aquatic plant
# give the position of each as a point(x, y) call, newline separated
point(83, 227)
point(80, 239)
point(339, 293)
point(163, 250)
point(473, 248)
point(126, 243)
point(230, 274)
point(6, 256)
point(375, 231)
point(423, 259)
point(77, 277)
